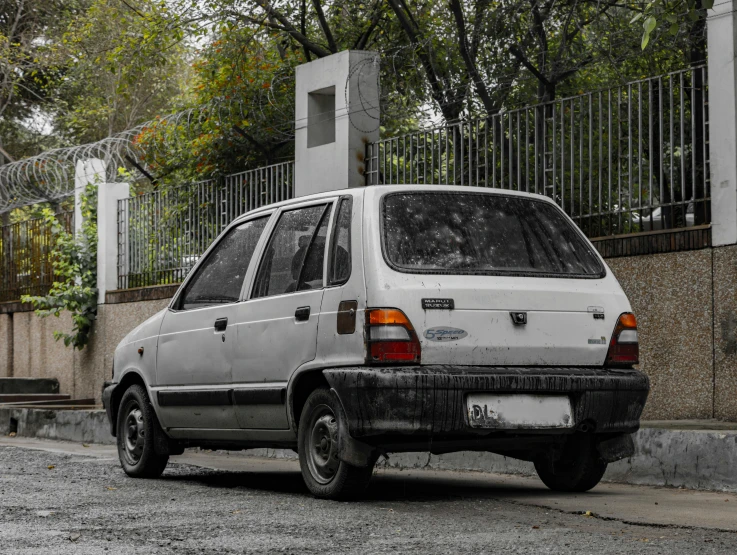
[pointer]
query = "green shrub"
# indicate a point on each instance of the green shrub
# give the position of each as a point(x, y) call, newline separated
point(74, 261)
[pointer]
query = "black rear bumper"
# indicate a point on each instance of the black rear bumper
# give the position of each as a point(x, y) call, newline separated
point(431, 400)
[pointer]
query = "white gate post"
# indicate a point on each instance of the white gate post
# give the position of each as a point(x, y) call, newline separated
point(336, 114)
point(722, 75)
point(108, 195)
point(86, 172)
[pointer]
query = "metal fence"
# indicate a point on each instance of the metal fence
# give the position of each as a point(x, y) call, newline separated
point(162, 234)
point(627, 159)
point(26, 262)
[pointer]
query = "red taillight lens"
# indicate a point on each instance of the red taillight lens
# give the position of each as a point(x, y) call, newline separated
point(624, 348)
point(391, 337)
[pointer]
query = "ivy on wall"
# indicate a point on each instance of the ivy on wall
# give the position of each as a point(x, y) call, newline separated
point(74, 261)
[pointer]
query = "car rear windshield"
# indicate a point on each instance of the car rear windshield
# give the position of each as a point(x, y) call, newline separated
point(481, 233)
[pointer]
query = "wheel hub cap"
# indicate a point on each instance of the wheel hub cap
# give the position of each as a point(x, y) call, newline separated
point(322, 452)
point(135, 435)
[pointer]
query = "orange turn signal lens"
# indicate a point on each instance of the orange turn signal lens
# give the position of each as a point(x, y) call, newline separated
point(628, 321)
point(388, 316)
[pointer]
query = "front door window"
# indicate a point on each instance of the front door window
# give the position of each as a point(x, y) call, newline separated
point(219, 279)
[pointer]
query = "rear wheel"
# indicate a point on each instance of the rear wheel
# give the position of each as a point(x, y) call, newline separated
point(579, 467)
point(325, 475)
point(135, 427)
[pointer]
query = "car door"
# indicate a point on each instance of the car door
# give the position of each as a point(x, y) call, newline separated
point(277, 325)
point(194, 357)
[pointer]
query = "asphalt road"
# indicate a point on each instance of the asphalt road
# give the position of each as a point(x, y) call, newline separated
point(69, 498)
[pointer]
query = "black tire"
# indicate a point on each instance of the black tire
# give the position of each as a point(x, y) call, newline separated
point(135, 430)
point(325, 475)
point(579, 468)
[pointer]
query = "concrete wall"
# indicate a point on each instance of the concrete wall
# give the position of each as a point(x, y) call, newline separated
point(725, 333)
point(685, 302)
point(94, 364)
point(686, 307)
point(35, 353)
point(671, 295)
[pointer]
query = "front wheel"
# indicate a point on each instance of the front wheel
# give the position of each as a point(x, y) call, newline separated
point(579, 467)
point(136, 423)
point(325, 475)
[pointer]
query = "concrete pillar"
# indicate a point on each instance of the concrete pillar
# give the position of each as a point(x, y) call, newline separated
point(722, 75)
point(108, 195)
point(336, 114)
point(86, 172)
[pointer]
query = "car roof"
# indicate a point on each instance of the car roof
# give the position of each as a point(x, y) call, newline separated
point(379, 190)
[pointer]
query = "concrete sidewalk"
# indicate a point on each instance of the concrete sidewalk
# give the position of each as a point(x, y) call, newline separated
point(698, 455)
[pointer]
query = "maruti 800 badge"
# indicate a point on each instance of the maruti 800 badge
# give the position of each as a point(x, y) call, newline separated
point(445, 334)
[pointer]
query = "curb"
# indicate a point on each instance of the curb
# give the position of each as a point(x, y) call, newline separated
point(85, 426)
point(693, 459)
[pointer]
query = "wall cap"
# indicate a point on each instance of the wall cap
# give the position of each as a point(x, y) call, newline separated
point(138, 294)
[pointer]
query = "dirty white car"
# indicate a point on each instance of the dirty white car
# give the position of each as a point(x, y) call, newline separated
point(355, 323)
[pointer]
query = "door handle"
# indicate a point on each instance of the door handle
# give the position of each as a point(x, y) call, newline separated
point(221, 324)
point(302, 313)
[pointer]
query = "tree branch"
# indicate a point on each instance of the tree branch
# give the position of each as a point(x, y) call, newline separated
point(517, 53)
point(480, 10)
point(303, 27)
point(450, 105)
point(324, 26)
point(471, 69)
point(286, 26)
point(5, 153)
point(360, 44)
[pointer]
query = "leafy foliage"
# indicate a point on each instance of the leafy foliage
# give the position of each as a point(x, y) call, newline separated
point(75, 269)
point(102, 66)
point(670, 16)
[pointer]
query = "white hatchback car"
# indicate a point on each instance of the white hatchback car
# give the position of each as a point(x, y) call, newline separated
point(354, 323)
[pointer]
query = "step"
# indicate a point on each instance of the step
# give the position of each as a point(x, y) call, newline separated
point(35, 398)
point(10, 386)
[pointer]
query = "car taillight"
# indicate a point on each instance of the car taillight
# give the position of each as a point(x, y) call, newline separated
point(391, 337)
point(624, 349)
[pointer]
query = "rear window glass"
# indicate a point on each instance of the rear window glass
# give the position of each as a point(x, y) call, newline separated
point(478, 233)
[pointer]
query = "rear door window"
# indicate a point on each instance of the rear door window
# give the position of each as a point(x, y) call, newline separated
point(481, 233)
point(294, 258)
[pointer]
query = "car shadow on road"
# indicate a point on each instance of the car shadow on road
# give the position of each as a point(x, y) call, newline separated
point(387, 486)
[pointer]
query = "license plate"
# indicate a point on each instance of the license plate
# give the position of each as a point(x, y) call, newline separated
point(514, 412)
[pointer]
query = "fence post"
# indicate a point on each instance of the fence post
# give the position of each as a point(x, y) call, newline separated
point(336, 114)
point(722, 35)
point(108, 195)
point(86, 172)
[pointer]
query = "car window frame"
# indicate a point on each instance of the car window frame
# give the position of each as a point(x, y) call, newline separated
point(382, 241)
point(269, 215)
point(331, 202)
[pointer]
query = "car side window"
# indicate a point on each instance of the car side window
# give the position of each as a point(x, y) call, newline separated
point(293, 259)
point(340, 257)
point(220, 278)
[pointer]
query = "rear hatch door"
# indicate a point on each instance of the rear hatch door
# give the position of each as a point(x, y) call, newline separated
point(494, 279)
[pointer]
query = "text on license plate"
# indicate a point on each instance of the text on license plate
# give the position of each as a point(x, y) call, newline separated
point(517, 411)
